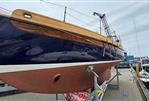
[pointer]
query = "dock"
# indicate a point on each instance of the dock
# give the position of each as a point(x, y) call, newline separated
point(128, 91)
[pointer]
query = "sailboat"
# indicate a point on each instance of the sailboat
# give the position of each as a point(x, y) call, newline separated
point(45, 55)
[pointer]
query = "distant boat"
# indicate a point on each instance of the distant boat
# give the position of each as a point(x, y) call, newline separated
point(144, 73)
point(45, 55)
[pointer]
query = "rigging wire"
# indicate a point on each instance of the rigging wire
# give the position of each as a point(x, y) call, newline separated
point(67, 7)
point(52, 3)
point(5, 9)
point(70, 9)
point(75, 17)
point(83, 23)
point(96, 28)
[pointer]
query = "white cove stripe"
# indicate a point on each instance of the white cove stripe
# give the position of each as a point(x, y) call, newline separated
point(28, 67)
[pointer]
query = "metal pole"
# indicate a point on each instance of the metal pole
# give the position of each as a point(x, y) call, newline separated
point(56, 97)
point(117, 73)
point(100, 26)
point(65, 13)
point(96, 88)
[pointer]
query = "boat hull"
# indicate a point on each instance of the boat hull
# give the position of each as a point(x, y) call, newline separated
point(26, 46)
point(25, 43)
point(58, 79)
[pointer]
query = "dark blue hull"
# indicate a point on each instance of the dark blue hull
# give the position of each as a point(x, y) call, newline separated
point(23, 47)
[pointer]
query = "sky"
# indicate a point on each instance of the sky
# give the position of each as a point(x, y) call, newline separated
point(129, 18)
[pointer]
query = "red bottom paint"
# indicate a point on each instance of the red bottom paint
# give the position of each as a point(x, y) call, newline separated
point(57, 80)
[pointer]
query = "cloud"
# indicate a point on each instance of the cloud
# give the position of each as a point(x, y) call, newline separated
point(137, 30)
point(131, 12)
